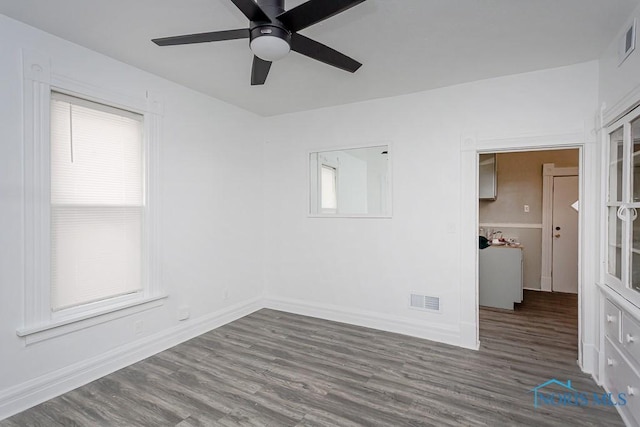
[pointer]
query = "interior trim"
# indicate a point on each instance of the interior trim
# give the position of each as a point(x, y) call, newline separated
point(40, 389)
point(509, 225)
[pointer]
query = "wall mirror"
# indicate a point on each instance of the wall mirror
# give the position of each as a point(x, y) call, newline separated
point(350, 182)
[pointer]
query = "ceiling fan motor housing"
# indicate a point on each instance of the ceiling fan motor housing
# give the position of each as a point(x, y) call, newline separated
point(270, 41)
point(271, 7)
point(270, 30)
point(274, 28)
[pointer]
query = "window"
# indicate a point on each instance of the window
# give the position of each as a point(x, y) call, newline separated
point(329, 198)
point(90, 203)
point(97, 202)
point(622, 205)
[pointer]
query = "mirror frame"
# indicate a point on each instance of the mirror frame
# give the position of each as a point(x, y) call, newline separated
point(389, 210)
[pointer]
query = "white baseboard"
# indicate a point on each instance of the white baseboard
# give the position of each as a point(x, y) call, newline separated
point(469, 336)
point(590, 357)
point(23, 396)
point(445, 333)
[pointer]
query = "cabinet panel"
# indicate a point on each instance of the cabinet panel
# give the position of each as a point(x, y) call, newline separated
point(631, 337)
point(612, 321)
point(621, 378)
point(500, 278)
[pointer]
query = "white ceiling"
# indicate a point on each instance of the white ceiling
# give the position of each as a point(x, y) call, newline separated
point(405, 45)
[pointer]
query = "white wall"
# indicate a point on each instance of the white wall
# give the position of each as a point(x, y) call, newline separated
point(617, 81)
point(377, 179)
point(362, 270)
point(211, 221)
point(352, 183)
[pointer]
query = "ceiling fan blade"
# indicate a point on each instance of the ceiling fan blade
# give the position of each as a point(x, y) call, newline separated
point(251, 10)
point(314, 11)
point(203, 37)
point(259, 71)
point(322, 53)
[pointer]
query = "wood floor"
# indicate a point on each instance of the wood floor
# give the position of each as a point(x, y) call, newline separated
point(278, 369)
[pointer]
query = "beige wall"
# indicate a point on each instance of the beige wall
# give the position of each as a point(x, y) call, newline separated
point(519, 184)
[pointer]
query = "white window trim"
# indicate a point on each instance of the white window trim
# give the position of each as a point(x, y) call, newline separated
point(39, 320)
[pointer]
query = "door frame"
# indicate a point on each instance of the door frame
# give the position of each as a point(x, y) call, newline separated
point(549, 171)
point(584, 140)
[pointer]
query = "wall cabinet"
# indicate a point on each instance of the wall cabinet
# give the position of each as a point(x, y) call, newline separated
point(487, 178)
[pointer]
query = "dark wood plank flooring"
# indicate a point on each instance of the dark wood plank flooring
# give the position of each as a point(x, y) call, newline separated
point(278, 369)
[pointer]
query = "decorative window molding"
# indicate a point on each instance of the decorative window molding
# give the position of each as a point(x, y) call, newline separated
point(38, 83)
point(610, 115)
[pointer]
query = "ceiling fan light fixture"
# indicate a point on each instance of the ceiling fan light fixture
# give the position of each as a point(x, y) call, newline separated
point(270, 47)
point(274, 31)
point(270, 42)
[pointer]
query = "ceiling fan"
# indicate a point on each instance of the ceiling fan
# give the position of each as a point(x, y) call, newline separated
point(273, 32)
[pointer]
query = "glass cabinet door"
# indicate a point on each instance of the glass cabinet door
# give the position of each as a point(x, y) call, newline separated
point(622, 206)
point(635, 199)
point(614, 202)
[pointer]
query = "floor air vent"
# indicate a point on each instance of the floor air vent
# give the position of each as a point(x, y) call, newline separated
point(424, 302)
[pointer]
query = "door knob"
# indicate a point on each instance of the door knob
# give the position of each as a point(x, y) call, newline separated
point(556, 235)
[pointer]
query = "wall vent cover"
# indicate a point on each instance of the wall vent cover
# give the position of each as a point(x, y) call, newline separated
point(627, 43)
point(425, 302)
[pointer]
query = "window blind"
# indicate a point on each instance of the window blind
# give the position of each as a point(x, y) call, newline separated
point(97, 202)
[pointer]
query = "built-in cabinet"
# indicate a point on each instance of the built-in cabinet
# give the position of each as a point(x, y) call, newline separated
point(622, 235)
point(620, 303)
point(622, 356)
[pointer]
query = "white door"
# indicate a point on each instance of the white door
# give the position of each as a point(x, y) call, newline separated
point(564, 273)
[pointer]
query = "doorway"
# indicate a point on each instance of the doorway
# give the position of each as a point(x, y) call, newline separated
point(564, 248)
point(534, 222)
